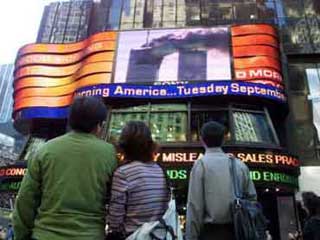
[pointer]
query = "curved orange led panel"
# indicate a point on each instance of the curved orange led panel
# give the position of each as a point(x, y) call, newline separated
point(96, 79)
point(65, 59)
point(42, 82)
point(43, 102)
point(67, 47)
point(253, 62)
point(51, 82)
point(52, 71)
point(255, 50)
point(258, 39)
point(253, 29)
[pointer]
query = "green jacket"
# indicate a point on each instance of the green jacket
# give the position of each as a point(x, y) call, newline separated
point(63, 194)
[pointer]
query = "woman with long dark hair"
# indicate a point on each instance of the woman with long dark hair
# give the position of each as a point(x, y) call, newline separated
point(139, 191)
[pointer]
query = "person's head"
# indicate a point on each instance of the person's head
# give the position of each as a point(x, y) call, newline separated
point(212, 134)
point(311, 202)
point(136, 142)
point(87, 115)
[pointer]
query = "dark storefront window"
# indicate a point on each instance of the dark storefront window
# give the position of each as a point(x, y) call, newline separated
point(198, 118)
point(169, 123)
point(252, 127)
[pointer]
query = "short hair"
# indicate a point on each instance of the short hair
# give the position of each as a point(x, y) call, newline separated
point(212, 133)
point(136, 142)
point(86, 113)
point(312, 202)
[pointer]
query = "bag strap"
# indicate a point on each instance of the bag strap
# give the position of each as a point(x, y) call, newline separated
point(166, 227)
point(235, 182)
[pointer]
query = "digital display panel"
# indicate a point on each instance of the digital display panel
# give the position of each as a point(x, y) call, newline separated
point(266, 167)
point(241, 60)
point(199, 54)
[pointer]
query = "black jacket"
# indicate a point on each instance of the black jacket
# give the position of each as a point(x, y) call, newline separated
point(311, 230)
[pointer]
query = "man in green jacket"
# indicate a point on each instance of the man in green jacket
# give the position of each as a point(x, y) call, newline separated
point(63, 194)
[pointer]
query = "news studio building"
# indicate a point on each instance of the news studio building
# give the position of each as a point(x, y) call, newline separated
point(176, 65)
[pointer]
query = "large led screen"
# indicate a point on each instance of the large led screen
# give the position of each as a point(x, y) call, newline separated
point(199, 54)
point(241, 60)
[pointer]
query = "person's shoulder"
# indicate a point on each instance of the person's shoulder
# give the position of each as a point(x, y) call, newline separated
point(99, 143)
point(240, 164)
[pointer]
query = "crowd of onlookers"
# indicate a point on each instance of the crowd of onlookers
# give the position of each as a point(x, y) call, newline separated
point(65, 194)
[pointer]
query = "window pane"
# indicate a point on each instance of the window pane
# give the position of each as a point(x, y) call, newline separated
point(293, 8)
point(245, 11)
point(169, 107)
point(169, 127)
point(251, 127)
point(220, 11)
point(192, 14)
point(297, 76)
point(266, 9)
point(200, 118)
point(118, 121)
point(142, 108)
point(114, 14)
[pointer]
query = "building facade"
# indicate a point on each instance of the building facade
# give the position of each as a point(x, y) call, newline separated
point(6, 91)
point(65, 22)
point(175, 64)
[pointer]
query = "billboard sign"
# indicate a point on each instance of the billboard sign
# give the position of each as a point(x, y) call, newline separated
point(242, 60)
point(200, 54)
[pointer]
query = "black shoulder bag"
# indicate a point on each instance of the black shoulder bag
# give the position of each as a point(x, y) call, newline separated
point(248, 219)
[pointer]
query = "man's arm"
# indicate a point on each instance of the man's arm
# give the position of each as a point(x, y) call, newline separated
point(195, 205)
point(28, 201)
point(249, 188)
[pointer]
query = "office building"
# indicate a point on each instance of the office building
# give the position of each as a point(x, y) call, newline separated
point(65, 22)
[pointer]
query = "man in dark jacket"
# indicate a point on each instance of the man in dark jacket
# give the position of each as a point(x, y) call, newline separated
point(210, 189)
point(63, 194)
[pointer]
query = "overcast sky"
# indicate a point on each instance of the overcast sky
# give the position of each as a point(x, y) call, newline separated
point(19, 23)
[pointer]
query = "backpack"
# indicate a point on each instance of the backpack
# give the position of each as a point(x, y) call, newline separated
point(248, 219)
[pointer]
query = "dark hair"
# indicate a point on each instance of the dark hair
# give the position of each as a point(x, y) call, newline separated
point(86, 113)
point(312, 202)
point(212, 133)
point(136, 142)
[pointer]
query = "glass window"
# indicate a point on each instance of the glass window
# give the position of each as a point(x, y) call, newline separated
point(310, 7)
point(252, 127)
point(293, 8)
point(114, 14)
point(246, 11)
point(168, 122)
point(118, 120)
point(266, 9)
point(296, 37)
point(298, 77)
point(192, 14)
point(201, 117)
point(221, 11)
point(300, 108)
point(169, 127)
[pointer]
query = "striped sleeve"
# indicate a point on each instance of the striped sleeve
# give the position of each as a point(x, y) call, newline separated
point(118, 201)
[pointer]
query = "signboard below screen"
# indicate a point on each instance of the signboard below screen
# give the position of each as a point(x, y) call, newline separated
point(217, 88)
point(257, 176)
